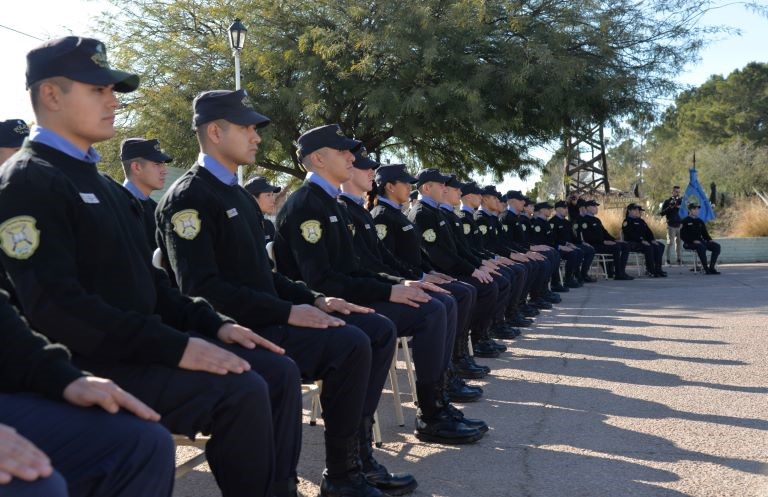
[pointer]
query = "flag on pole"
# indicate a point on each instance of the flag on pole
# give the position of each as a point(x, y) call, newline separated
point(695, 193)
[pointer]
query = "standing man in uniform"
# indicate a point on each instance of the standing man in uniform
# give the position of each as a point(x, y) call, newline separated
point(222, 258)
point(12, 135)
point(264, 194)
point(640, 239)
point(73, 244)
point(54, 433)
point(696, 237)
point(144, 165)
point(314, 244)
point(671, 210)
point(593, 232)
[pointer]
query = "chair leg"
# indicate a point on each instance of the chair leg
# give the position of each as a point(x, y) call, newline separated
point(396, 392)
point(376, 430)
point(314, 410)
point(409, 367)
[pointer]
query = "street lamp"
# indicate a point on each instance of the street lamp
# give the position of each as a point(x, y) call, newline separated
point(237, 32)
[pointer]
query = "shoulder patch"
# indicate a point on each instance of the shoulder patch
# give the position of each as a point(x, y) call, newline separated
point(525, 228)
point(505, 227)
point(483, 229)
point(186, 223)
point(311, 230)
point(467, 229)
point(381, 231)
point(429, 235)
point(584, 226)
point(624, 224)
point(19, 237)
point(537, 228)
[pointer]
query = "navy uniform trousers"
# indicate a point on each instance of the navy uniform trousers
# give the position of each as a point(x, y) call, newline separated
point(620, 253)
point(587, 256)
point(465, 296)
point(252, 445)
point(486, 302)
point(93, 453)
point(701, 249)
point(653, 253)
point(432, 334)
point(352, 360)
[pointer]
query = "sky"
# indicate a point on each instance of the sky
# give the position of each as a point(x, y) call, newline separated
point(54, 18)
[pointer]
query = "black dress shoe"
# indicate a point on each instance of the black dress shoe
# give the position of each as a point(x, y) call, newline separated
point(587, 279)
point(661, 274)
point(541, 304)
point(484, 349)
point(459, 416)
point(529, 311)
point(623, 277)
point(502, 332)
point(376, 474)
point(471, 360)
point(711, 271)
point(559, 288)
point(519, 321)
point(497, 345)
point(464, 369)
point(573, 283)
point(458, 391)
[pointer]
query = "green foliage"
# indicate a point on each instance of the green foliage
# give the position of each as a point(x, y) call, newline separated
point(466, 85)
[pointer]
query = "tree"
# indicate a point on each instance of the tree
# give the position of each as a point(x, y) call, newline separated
point(466, 85)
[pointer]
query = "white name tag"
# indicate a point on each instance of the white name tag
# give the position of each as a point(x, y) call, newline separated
point(442, 223)
point(367, 226)
point(232, 212)
point(408, 227)
point(333, 219)
point(89, 198)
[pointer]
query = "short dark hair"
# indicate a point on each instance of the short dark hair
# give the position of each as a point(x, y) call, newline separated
point(675, 187)
point(34, 89)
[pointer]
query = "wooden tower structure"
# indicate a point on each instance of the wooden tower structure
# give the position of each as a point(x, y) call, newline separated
point(586, 168)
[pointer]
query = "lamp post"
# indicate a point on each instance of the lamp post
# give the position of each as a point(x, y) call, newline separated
point(237, 32)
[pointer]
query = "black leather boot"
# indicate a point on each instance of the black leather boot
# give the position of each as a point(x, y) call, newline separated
point(343, 476)
point(499, 330)
point(517, 319)
point(376, 474)
point(466, 369)
point(458, 391)
point(286, 488)
point(436, 424)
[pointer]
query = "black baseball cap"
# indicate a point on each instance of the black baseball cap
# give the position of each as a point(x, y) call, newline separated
point(233, 106)
point(12, 133)
point(453, 182)
point(259, 184)
point(634, 206)
point(362, 161)
point(330, 136)
point(542, 205)
point(693, 205)
point(490, 190)
point(561, 203)
point(391, 173)
point(134, 148)
point(79, 59)
point(470, 189)
point(431, 174)
point(581, 202)
point(413, 195)
point(513, 195)
point(591, 203)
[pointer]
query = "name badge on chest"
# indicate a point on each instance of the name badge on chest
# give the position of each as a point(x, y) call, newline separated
point(89, 198)
point(232, 213)
point(334, 219)
point(407, 227)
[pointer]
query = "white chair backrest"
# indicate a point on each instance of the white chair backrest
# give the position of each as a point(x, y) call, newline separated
point(271, 254)
point(157, 258)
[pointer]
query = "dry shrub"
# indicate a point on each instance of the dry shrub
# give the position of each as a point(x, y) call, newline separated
point(613, 218)
point(750, 219)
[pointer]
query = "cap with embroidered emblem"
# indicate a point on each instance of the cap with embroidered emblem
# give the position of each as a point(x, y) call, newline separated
point(490, 190)
point(259, 184)
point(431, 174)
point(470, 188)
point(330, 136)
point(561, 203)
point(363, 161)
point(12, 133)
point(514, 195)
point(391, 173)
point(135, 148)
point(79, 59)
point(542, 205)
point(233, 106)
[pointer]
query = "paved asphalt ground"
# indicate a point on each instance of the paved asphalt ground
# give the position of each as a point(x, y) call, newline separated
point(649, 388)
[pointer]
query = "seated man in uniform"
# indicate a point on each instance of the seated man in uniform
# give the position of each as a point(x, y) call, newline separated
point(640, 239)
point(222, 258)
point(543, 233)
point(73, 245)
point(12, 135)
point(314, 244)
point(593, 232)
point(565, 236)
point(696, 237)
point(144, 165)
point(264, 193)
point(53, 444)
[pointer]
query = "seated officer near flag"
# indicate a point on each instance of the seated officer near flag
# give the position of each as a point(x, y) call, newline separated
point(516, 238)
point(12, 135)
point(565, 236)
point(222, 258)
point(73, 244)
point(510, 276)
point(439, 246)
point(371, 252)
point(640, 239)
point(264, 194)
point(695, 236)
point(402, 238)
point(594, 233)
point(542, 232)
point(144, 167)
point(51, 435)
point(314, 244)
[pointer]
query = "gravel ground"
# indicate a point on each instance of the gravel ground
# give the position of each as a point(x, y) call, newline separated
point(649, 388)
